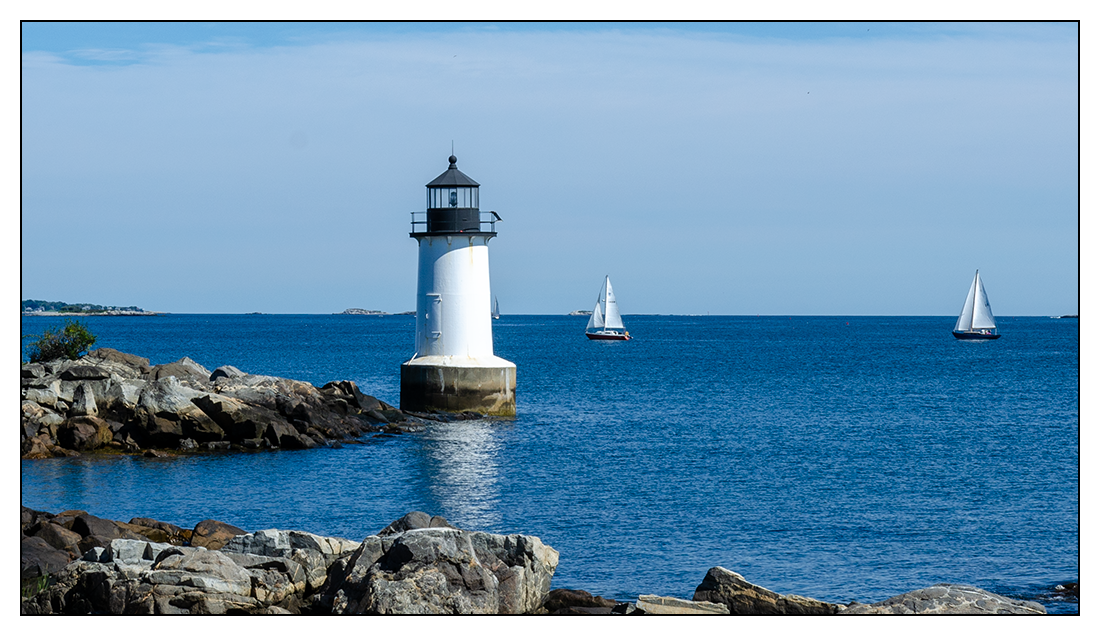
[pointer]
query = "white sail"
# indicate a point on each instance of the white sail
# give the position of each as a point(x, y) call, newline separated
point(612, 318)
point(976, 313)
point(983, 314)
point(967, 313)
point(596, 320)
point(496, 308)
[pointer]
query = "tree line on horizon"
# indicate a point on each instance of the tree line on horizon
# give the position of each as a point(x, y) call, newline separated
point(70, 308)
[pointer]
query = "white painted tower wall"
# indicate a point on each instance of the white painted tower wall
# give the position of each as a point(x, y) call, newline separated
point(453, 303)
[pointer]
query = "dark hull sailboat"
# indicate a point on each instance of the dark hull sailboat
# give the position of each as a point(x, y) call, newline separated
point(976, 319)
point(606, 323)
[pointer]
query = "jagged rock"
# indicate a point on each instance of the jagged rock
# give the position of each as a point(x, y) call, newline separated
point(445, 571)
point(44, 396)
point(651, 604)
point(78, 372)
point(947, 599)
point(83, 402)
point(240, 421)
point(32, 370)
point(212, 535)
point(743, 598)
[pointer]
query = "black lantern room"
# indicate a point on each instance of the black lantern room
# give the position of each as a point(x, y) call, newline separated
point(452, 203)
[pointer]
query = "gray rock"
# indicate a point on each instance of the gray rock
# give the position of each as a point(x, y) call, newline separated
point(947, 599)
point(80, 372)
point(183, 369)
point(744, 599)
point(138, 364)
point(651, 604)
point(226, 371)
point(43, 396)
point(83, 402)
point(445, 571)
point(32, 370)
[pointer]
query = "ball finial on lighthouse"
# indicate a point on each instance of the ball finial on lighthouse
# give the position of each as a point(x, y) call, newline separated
point(454, 368)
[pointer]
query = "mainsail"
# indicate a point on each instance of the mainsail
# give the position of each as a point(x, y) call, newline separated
point(612, 318)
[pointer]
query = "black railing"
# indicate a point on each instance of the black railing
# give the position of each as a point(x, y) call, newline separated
point(484, 217)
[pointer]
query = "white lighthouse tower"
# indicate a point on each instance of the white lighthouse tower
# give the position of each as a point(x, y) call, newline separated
point(454, 368)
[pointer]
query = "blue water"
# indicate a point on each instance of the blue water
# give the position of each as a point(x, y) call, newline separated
point(842, 458)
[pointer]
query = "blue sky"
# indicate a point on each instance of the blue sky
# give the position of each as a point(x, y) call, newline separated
point(723, 168)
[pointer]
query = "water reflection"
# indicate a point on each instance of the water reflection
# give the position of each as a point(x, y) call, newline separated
point(461, 466)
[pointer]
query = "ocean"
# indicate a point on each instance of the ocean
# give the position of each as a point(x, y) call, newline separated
point(840, 458)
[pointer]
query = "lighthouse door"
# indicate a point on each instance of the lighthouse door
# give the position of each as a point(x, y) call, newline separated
point(434, 317)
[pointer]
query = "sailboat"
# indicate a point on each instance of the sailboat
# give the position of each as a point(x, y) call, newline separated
point(496, 308)
point(976, 320)
point(606, 322)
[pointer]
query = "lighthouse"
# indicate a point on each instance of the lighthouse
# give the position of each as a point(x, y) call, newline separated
point(453, 368)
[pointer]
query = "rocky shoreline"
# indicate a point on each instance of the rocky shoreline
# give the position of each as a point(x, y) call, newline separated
point(75, 563)
point(114, 402)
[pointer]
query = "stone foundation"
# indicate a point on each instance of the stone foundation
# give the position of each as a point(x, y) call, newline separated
point(488, 390)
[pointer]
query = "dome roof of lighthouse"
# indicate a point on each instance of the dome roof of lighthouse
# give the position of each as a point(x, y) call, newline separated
point(453, 177)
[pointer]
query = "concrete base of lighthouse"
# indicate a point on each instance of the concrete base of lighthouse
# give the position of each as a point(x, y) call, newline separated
point(455, 384)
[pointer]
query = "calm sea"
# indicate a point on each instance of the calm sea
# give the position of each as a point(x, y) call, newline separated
point(841, 458)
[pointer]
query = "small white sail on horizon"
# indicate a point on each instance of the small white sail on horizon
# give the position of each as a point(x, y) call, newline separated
point(606, 323)
point(976, 319)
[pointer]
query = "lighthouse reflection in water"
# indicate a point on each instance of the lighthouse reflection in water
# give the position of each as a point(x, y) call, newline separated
point(460, 462)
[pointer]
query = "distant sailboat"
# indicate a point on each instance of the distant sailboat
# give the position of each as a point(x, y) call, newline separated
point(976, 320)
point(606, 323)
point(496, 308)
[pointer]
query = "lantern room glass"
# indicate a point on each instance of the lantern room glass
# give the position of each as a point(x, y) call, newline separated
point(452, 198)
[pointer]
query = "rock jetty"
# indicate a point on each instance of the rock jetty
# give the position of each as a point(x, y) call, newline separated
point(109, 401)
point(417, 565)
point(76, 563)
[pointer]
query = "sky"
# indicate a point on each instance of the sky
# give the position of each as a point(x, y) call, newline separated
point(823, 168)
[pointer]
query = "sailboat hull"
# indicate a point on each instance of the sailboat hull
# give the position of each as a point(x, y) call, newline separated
point(607, 336)
point(969, 335)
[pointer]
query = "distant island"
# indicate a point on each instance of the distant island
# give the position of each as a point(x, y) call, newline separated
point(355, 311)
point(580, 312)
point(60, 308)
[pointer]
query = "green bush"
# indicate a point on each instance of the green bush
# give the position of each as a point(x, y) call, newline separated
point(71, 341)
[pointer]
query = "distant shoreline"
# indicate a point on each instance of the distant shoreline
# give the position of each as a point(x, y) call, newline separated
point(113, 312)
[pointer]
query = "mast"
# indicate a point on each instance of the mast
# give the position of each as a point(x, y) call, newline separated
point(974, 298)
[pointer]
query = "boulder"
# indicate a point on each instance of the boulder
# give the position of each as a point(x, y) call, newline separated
point(184, 369)
point(743, 598)
point(947, 599)
point(212, 535)
point(562, 601)
point(444, 570)
point(37, 561)
point(414, 521)
point(226, 371)
point(137, 363)
point(238, 420)
point(84, 433)
point(651, 604)
point(59, 537)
